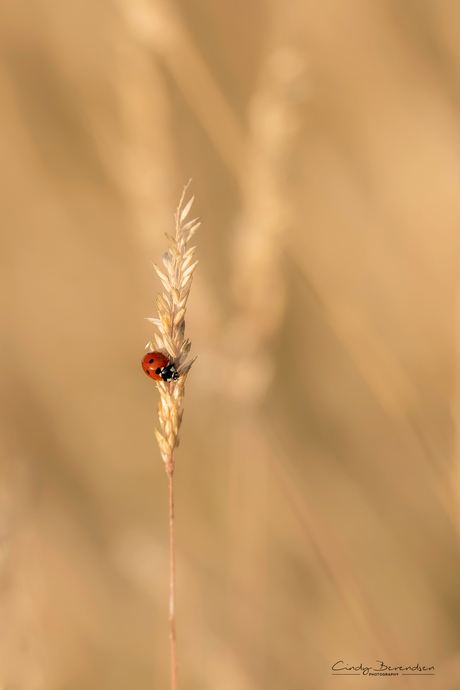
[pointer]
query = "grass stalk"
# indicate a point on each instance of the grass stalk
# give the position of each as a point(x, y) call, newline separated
point(172, 580)
point(171, 342)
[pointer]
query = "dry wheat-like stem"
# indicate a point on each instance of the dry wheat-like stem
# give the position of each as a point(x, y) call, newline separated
point(171, 340)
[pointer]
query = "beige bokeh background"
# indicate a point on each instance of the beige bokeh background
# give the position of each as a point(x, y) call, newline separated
point(316, 480)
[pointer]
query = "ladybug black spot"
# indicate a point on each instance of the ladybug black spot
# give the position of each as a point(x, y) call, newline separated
point(150, 361)
point(147, 372)
point(157, 371)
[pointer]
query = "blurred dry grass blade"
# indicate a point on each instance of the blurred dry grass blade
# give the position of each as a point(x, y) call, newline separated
point(160, 25)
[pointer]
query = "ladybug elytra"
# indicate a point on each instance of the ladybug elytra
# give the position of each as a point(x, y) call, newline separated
point(157, 366)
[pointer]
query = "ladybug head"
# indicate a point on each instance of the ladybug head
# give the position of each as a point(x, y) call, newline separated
point(168, 373)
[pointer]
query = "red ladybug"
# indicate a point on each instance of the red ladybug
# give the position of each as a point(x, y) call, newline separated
point(157, 366)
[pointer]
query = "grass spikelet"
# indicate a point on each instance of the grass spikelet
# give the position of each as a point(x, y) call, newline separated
point(177, 282)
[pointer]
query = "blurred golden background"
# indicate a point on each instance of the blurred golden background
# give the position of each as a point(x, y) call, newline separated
point(316, 507)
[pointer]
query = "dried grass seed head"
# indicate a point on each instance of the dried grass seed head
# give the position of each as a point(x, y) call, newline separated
point(177, 282)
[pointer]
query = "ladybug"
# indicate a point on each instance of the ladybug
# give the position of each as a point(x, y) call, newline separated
point(157, 366)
